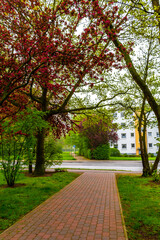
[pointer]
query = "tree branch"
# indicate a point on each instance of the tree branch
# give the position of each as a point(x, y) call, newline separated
point(137, 78)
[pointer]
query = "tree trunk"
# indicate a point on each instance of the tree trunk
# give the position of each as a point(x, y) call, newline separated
point(144, 156)
point(40, 159)
point(30, 166)
point(155, 165)
point(146, 167)
point(142, 138)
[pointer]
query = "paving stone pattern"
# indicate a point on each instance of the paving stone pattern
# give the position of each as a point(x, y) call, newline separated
point(87, 209)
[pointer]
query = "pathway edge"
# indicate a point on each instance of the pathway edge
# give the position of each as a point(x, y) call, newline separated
point(121, 210)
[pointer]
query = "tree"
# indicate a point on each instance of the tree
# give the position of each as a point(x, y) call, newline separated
point(129, 95)
point(150, 11)
point(45, 59)
point(17, 137)
point(135, 100)
point(96, 132)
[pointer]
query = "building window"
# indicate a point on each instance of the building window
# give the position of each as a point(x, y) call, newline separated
point(115, 145)
point(123, 135)
point(123, 124)
point(115, 114)
point(149, 134)
point(132, 145)
point(124, 146)
point(132, 134)
point(122, 114)
point(157, 134)
point(150, 145)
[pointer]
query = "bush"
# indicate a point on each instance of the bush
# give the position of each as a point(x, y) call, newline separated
point(134, 155)
point(83, 147)
point(12, 146)
point(89, 154)
point(52, 149)
point(114, 152)
point(156, 176)
point(53, 153)
point(151, 155)
point(124, 155)
point(102, 152)
point(10, 170)
point(60, 170)
point(11, 154)
point(83, 151)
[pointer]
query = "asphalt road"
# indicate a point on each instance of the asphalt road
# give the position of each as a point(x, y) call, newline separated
point(134, 166)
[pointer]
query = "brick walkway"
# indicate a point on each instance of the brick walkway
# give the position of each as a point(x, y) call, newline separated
point(87, 209)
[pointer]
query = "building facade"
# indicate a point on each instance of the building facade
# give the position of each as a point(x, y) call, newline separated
point(128, 137)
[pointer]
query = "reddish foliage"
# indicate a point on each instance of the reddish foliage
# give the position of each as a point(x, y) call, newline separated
point(99, 133)
point(44, 60)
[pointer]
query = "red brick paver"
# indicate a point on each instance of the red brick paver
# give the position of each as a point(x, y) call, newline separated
point(86, 209)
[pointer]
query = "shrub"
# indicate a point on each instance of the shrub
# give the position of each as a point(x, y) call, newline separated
point(52, 148)
point(156, 176)
point(11, 154)
point(151, 155)
point(124, 155)
point(102, 152)
point(98, 129)
point(53, 153)
point(89, 154)
point(83, 147)
point(114, 152)
point(60, 170)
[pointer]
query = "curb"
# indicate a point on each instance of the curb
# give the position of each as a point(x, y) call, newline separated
point(121, 210)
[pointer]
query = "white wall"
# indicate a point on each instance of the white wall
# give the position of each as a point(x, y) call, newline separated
point(130, 141)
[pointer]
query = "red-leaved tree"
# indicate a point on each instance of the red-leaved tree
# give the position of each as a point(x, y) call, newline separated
point(46, 56)
point(99, 133)
point(96, 132)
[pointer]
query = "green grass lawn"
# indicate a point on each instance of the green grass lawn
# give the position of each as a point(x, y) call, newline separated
point(16, 202)
point(140, 199)
point(67, 156)
point(130, 158)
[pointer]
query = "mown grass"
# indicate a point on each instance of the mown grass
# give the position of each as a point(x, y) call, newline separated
point(16, 202)
point(140, 199)
point(130, 158)
point(67, 156)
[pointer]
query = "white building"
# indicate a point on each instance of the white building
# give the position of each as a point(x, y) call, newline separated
point(128, 141)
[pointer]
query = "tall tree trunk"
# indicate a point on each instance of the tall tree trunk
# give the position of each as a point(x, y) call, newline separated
point(142, 138)
point(144, 155)
point(145, 160)
point(30, 166)
point(155, 165)
point(40, 159)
